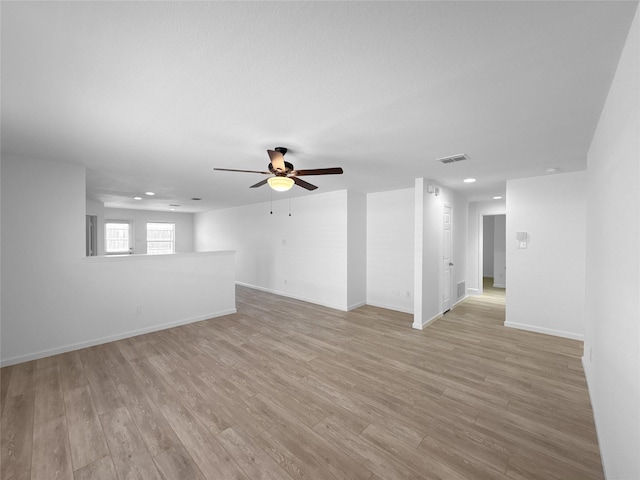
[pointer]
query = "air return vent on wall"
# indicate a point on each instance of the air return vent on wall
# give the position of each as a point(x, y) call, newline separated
point(453, 158)
point(462, 289)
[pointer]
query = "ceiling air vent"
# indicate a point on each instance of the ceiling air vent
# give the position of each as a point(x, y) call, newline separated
point(453, 158)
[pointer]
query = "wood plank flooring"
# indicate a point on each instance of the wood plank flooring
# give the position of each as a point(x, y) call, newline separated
point(288, 390)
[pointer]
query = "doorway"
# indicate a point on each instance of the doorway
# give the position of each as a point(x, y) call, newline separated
point(92, 235)
point(494, 267)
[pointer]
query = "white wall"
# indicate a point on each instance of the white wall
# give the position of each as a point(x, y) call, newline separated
point(55, 299)
point(488, 231)
point(428, 239)
point(499, 251)
point(390, 239)
point(546, 280)
point(612, 337)
point(427, 256)
point(459, 210)
point(356, 250)
point(183, 222)
point(302, 256)
point(0, 262)
point(475, 245)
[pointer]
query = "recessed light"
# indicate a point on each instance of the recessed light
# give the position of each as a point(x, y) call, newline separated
point(149, 193)
point(469, 180)
point(172, 209)
point(497, 197)
point(137, 198)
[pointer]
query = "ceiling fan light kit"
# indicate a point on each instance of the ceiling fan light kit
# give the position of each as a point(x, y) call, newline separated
point(280, 184)
point(284, 174)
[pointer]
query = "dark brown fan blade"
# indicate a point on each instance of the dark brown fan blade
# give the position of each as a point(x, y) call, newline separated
point(259, 184)
point(303, 184)
point(244, 171)
point(316, 171)
point(277, 160)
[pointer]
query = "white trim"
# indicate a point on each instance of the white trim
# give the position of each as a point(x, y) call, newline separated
point(130, 249)
point(288, 295)
point(586, 366)
point(451, 262)
point(418, 249)
point(111, 338)
point(458, 302)
point(587, 374)
point(418, 326)
point(473, 291)
point(499, 285)
point(153, 258)
point(389, 307)
point(356, 305)
point(480, 272)
point(546, 331)
point(437, 316)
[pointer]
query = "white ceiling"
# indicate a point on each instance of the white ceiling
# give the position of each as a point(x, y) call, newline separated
point(152, 96)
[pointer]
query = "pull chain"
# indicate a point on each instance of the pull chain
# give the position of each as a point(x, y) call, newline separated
point(271, 212)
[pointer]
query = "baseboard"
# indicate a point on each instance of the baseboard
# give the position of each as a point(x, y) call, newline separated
point(546, 331)
point(458, 302)
point(473, 291)
point(110, 338)
point(389, 307)
point(586, 366)
point(288, 295)
point(499, 285)
point(587, 374)
point(356, 305)
point(437, 316)
point(419, 326)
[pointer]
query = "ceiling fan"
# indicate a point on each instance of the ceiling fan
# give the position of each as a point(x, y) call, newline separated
point(284, 175)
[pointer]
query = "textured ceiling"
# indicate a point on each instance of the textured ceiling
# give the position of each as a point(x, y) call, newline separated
point(152, 96)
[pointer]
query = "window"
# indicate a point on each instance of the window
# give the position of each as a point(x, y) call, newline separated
point(161, 238)
point(117, 236)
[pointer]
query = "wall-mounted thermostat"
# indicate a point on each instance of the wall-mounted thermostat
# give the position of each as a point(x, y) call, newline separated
point(522, 238)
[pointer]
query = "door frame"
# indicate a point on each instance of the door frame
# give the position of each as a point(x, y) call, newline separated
point(481, 248)
point(446, 308)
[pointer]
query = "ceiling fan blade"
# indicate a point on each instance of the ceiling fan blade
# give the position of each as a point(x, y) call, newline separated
point(317, 171)
point(277, 160)
point(244, 171)
point(303, 184)
point(259, 184)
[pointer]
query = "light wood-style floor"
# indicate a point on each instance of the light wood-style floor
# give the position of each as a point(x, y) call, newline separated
point(289, 390)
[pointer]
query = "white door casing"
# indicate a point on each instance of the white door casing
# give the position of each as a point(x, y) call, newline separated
point(446, 258)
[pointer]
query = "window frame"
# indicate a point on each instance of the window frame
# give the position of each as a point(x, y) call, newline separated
point(172, 241)
point(106, 237)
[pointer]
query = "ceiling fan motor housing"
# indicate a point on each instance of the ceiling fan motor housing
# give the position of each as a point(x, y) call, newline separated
point(288, 167)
